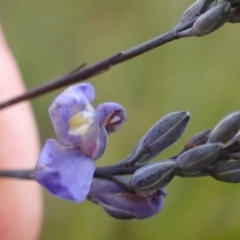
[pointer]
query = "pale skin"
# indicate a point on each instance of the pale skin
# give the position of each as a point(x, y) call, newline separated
point(20, 200)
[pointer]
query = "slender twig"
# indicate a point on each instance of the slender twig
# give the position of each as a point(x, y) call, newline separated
point(85, 73)
point(27, 174)
point(101, 172)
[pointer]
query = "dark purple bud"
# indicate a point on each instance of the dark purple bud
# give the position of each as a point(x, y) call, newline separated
point(160, 136)
point(153, 176)
point(207, 4)
point(196, 140)
point(167, 131)
point(235, 15)
point(235, 138)
point(211, 20)
point(196, 9)
point(228, 171)
point(232, 1)
point(226, 128)
point(122, 203)
point(235, 156)
point(232, 147)
point(199, 158)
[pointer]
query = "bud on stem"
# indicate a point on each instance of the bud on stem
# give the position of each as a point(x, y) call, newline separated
point(226, 128)
point(210, 21)
point(226, 171)
point(160, 136)
point(199, 158)
point(153, 176)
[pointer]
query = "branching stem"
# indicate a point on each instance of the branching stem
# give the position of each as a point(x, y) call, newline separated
point(85, 73)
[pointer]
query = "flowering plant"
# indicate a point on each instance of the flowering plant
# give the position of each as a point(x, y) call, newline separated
point(66, 165)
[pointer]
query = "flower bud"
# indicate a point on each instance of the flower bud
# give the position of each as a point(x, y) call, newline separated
point(212, 19)
point(232, 147)
point(235, 156)
point(226, 128)
point(196, 140)
point(228, 171)
point(163, 134)
point(122, 203)
point(197, 159)
point(196, 9)
point(236, 137)
point(235, 15)
point(153, 176)
point(232, 1)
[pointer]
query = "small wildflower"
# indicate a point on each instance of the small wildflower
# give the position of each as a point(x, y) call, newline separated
point(66, 165)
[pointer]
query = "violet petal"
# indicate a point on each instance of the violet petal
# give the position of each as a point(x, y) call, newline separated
point(64, 171)
point(72, 101)
point(111, 115)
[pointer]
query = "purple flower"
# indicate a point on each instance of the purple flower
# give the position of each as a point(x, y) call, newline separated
point(122, 203)
point(66, 165)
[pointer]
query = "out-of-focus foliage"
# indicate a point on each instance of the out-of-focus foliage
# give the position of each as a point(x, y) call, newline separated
point(200, 75)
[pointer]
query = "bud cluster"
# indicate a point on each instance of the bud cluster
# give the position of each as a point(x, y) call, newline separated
point(66, 165)
point(208, 16)
point(214, 153)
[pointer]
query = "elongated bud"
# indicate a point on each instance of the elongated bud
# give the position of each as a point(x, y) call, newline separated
point(196, 140)
point(235, 15)
point(166, 131)
point(213, 19)
point(162, 135)
point(236, 137)
point(232, 147)
point(232, 1)
point(226, 128)
point(153, 176)
point(228, 171)
point(209, 21)
point(207, 4)
point(196, 9)
point(235, 156)
point(197, 159)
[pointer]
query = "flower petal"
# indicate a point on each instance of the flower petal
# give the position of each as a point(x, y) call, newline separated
point(64, 172)
point(86, 88)
point(111, 115)
point(95, 141)
point(122, 203)
point(72, 101)
point(75, 121)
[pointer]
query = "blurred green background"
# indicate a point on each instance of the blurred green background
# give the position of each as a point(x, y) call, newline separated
point(201, 75)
